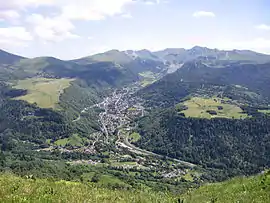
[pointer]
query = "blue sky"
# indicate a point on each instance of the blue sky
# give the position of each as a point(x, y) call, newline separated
point(70, 29)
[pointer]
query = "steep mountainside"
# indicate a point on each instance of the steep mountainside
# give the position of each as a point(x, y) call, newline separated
point(46, 77)
point(229, 145)
point(198, 78)
point(52, 67)
point(136, 61)
point(216, 117)
point(171, 59)
point(8, 58)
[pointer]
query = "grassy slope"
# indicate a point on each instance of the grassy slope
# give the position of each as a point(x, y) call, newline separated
point(111, 56)
point(45, 92)
point(8, 58)
point(148, 78)
point(242, 190)
point(134, 137)
point(264, 111)
point(15, 189)
point(197, 107)
point(74, 140)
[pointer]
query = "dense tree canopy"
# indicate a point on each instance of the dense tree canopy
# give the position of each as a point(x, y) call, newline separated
point(238, 146)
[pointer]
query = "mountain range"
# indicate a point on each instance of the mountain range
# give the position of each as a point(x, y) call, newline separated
point(129, 65)
point(168, 56)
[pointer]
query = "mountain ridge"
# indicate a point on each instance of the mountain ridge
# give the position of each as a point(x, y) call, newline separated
point(126, 56)
point(9, 58)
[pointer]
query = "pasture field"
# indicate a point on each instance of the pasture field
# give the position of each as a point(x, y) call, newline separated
point(147, 82)
point(148, 78)
point(43, 91)
point(148, 74)
point(74, 140)
point(212, 108)
point(264, 111)
point(134, 137)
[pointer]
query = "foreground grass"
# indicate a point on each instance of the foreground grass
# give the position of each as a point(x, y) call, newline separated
point(43, 91)
point(16, 189)
point(242, 190)
point(198, 107)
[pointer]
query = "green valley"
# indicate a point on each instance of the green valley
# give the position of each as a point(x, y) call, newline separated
point(177, 125)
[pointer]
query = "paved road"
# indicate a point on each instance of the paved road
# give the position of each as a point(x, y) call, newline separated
point(138, 150)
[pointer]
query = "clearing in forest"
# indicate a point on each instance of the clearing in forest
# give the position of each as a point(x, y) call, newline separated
point(148, 78)
point(44, 92)
point(75, 140)
point(211, 108)
point(134, 137)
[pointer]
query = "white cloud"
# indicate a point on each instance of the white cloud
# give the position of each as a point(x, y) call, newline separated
point(150, 3)
point(8, 15)
point(93, 9)
point(59, 25)
point(14, 36)
point(20, 4)
point(16, 33)
point(79, 9)
point(126, 15)
point(153, 2)
point(51, 29)
point(263, 27)
point(199, 14)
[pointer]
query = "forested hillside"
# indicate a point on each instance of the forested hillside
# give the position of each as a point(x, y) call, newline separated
point(233, 146)
point(8, 58)
point(26, 126)
point(211, 116)
point(198, 78)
